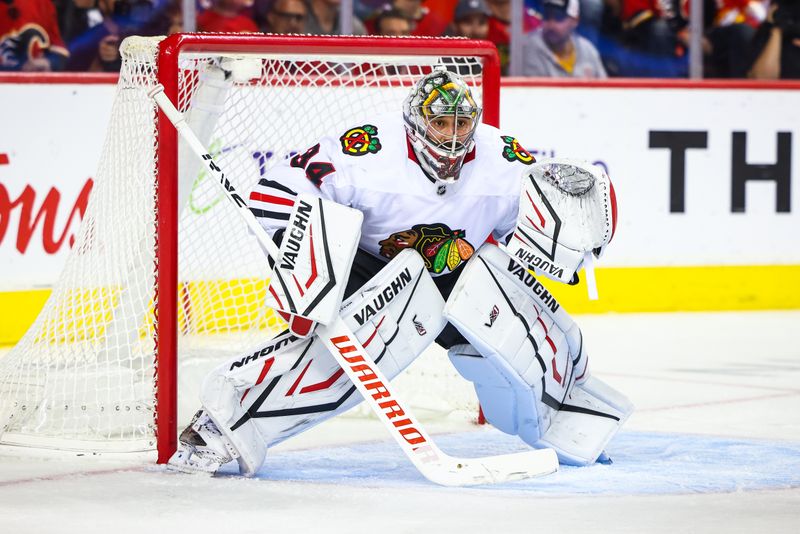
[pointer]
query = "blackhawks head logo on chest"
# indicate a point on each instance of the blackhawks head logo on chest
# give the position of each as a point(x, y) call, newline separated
point(440, 247)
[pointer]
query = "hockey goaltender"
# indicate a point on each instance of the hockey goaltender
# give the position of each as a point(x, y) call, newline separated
point(391, 225)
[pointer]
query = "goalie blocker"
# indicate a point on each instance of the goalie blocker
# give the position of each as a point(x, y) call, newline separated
point(316, 253)
point(528, 361)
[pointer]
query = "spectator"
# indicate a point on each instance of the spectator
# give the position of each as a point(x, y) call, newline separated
point(366, 9)
point(650, 32)
point(287, 16)
point(391, 22)
point(97, 49)
point(30, 39)
point(471, 19)
point(612, 18)
point(646, 24)
point(500, 27)
point(76, 17)
point(730, 26)
point(554, 49)
point(412, 9)
point(323, 19)
point(591, 21)
point(725, 12)
point(227, 16)
point(424, 20)
point(172, 21)
point(776, 45)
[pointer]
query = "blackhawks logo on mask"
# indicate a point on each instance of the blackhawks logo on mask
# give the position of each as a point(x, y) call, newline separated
point(513, 151)
point(361, 140)
point(440, 247)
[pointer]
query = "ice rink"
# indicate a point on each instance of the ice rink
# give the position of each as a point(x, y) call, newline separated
point(714, 446)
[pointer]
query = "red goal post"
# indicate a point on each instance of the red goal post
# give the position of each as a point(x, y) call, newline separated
point(108, 339)
point(169, 74)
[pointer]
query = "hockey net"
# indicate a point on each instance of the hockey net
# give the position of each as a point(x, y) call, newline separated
point(163, 281)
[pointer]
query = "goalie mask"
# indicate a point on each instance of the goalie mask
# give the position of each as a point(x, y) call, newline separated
point(441, 116)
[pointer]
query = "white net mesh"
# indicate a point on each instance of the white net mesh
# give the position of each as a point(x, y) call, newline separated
point(83, 375)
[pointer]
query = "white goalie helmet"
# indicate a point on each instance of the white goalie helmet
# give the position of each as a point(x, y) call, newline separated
point(441, 117)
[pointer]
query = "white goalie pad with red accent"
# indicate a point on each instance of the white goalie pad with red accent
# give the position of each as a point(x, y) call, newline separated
point(528, 342)
point(527, 359)
point(309, 276)
point(567, 209)
point(590, 416)
point(290, 384)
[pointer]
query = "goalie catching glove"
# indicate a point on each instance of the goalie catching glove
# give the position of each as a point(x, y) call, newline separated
point(567, 211)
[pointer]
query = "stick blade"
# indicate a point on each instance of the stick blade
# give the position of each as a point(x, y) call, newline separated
point(492, 469)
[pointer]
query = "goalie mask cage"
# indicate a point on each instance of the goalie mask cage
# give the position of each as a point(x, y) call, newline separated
point(163, 275)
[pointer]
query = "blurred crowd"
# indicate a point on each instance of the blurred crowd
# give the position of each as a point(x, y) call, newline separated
point(562, 38)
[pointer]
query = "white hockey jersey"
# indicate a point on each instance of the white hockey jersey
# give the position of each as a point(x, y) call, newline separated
point(372, 168)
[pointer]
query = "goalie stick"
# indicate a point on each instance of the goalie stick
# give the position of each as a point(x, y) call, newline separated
point(370, 381)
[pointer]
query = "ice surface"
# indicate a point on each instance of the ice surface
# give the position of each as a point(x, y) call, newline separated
point(714, 446)
point(643, 463)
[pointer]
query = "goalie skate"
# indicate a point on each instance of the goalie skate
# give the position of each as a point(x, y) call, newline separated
point(201, 447)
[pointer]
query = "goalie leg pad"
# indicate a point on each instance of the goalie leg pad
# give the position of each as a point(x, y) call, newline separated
point(532, 351)
point(511, 323)
point(247, 444)
point(590, 417)
point(293, 384)
point(507, 402)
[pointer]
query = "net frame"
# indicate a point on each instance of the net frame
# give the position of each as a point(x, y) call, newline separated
point(168, 70)
point(167, 191)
